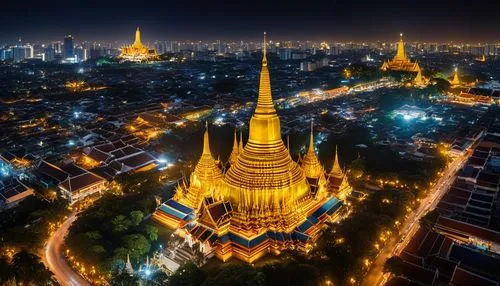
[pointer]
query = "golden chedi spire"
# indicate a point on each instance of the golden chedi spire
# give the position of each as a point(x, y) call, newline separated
point(234, 153)
point(418, 79)
point(336, 171)
point(400, 54)
point(137, 42)
point(265, 183)
point(240, 147)
point(345, 189)
point(205, 177)
point(310, 163)
point(455, 81)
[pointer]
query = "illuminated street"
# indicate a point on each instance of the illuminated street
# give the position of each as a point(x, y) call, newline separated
point(54, 258)
point(376, 276)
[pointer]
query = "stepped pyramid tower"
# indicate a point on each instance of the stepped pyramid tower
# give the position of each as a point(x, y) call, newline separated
point(264, 203)
point(137, 52)
point(400, 62)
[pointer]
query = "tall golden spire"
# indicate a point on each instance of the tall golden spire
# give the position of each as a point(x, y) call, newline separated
point(240, 148)
point(400, 54)
point(456, 80)
point(137, 41)
point(206, 143)
point(234, 153)
point(265, 104)
point(311, 138)
point(336, 170)
point(265, 178)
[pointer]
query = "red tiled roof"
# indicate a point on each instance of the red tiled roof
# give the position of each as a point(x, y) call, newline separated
point(461, 227)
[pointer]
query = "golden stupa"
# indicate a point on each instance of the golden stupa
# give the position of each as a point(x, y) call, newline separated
point(400, 62)
point(137, 52)
point(264, 203)
point(455, 81)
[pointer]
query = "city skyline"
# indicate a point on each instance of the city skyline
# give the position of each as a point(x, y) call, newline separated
point(196, 20)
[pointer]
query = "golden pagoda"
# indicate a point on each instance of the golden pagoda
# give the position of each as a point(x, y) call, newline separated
point(265, 202)
point(337, 179)
point(137, 52)
point(455, 81)
point(315, 174)
point(400, 62)
point(419, 80)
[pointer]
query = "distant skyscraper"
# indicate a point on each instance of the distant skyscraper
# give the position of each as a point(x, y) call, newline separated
point(19, 53)
point(49, 54)
point(68, 47)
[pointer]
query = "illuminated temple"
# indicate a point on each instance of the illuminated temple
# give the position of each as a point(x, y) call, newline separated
point(264, 203)
point(400, 62)
point(137, 52)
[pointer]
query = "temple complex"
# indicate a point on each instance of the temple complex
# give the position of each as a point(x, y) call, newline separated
point(400, 62)
point(264, 203)
point(137, 52)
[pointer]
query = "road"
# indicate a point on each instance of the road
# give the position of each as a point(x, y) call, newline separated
point(54, 258)
point(375, 275)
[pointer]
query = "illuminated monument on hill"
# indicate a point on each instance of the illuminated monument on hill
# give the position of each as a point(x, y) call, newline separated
point(137, 52)
point(400, 62)
point(264, 203)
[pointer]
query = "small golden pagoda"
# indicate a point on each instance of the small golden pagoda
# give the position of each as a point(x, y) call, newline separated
point(337, 179)
point(400, 62)
point(419, 79)
point(455, 81)
point(137, 52)
point(264, 203)
point(236, 150)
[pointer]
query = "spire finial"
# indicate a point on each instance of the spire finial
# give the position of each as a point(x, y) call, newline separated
point(264, 51)
point(206, 143)
point(311, 137)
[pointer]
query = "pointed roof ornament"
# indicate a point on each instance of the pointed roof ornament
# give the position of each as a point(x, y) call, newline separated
point(206, 143)
point(241, 142)
point(137, 41)
point(311, 137)
point(265, 105)
point(336, 169)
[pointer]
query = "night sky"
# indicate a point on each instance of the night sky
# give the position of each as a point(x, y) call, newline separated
point(339, 20)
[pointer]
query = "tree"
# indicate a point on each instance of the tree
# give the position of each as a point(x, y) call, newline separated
point(151, 232)
point(29, 268)
point(122, 278)
point(395, 265)
point(136, 217)
point(237, 275)
point(187, 275)
point(120, 223)
point(6, 271)
point(136, 244)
